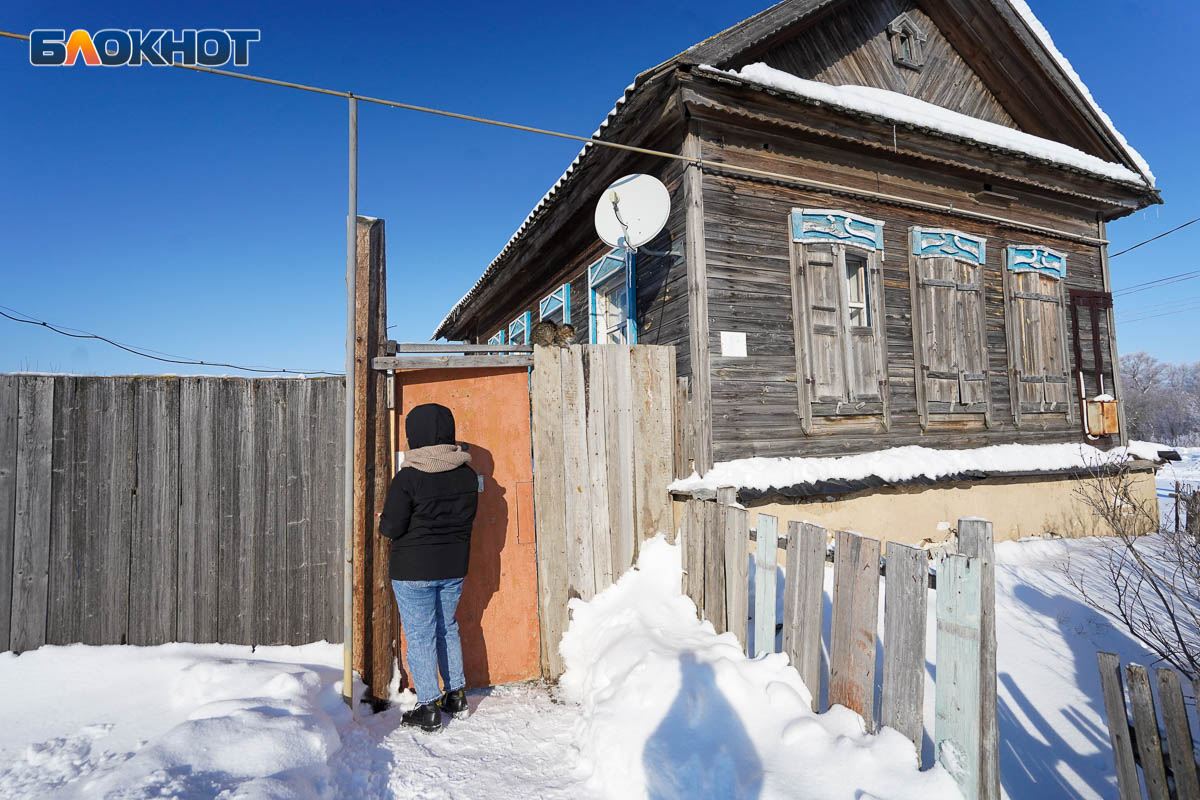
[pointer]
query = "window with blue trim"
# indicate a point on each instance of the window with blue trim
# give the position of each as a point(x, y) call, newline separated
point(556, 306)
point(611, 303)
point(518, 329)
point(498, 338)
point(1037, 340)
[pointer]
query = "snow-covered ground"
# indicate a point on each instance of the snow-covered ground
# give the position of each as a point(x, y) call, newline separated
point(654, 704)
point(1186, 472)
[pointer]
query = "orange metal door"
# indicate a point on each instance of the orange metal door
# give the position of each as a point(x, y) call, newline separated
point(497, 616)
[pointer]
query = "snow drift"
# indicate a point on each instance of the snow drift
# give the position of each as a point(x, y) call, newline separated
point(671, 709)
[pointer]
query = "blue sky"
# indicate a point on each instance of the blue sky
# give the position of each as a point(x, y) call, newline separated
point(205, 217)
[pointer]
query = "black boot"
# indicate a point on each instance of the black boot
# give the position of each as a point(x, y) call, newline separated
point(427, 717)
point(454, 702)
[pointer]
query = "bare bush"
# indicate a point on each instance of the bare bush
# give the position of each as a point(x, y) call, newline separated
point(1150, 583)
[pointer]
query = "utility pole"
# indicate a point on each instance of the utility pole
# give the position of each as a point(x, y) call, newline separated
point(348, 477)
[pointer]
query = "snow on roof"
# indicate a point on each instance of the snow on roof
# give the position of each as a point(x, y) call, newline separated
point(1043, 35)
point(901, 108)
point(899, 465)
point(1022, 9)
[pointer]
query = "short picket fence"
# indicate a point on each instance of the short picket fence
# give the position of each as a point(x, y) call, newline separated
point(714, 538)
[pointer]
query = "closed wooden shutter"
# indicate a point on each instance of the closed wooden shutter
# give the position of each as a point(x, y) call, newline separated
point(953, 337)
point(1037, 316)
point(821, 276)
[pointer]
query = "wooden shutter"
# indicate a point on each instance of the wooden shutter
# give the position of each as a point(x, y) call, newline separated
point(953, 338)
point(823, 307)
point(1042, 381)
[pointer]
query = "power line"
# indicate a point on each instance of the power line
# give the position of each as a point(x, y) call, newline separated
point(146, 352)
point(1194, 307)
point(1152, 238)
point(594, 140)
point(1160, 306)
point(1158, 283)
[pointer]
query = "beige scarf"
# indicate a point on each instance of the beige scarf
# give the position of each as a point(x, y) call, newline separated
point(436, 458)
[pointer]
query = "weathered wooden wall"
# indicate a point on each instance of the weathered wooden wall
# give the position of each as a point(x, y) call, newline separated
point(144, 510)
point(749, 273)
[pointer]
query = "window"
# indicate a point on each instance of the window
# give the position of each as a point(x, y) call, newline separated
point(836, 296)
point(498, 338)
point(908, 42)
point(1039, 377)
point(612, 309)
point(949, 327)
point(556, 306)
point(518, 330)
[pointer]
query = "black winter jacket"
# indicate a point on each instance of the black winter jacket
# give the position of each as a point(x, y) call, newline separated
point(428, 515)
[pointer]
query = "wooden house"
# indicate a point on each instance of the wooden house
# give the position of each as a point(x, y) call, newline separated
point(887, 228)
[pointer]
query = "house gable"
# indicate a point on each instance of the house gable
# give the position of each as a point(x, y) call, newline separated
point(856, 44)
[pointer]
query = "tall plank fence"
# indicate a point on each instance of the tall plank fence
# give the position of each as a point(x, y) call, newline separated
point(714, 539)
point(604, 430)
point(144, 510)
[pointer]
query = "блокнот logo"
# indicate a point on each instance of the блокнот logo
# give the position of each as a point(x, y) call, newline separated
point(110, 47)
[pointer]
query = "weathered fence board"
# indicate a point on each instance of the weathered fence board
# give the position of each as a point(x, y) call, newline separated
point(199, 510)
point(765, 566)
point(976, 541)
point(956, 731)
point(652, 373)
point(8, 497)
point(1179, 733)
point(694, 541)
point(155, 537)
point(735, 525)
point(803, 605)
point(855, 621)
point(31, 522)
point(1112, 686)
point(581, 569)
point(549, 488)
point(604, 546)
point(145, 492)
point(618, 432)
point(905, 602)
point(1145, 728)
point(714, 566)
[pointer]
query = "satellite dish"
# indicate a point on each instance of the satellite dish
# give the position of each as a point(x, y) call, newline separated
point(632, 210)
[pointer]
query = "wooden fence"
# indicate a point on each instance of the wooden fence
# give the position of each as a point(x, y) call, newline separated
point(1171, 776)
point(604, 431)
point(152, 509)
point(715, 542)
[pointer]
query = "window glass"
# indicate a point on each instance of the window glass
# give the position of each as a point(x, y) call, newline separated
point(858, 304)
point(611, 308)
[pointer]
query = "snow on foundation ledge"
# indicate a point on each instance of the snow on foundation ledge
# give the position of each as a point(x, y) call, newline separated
point(669, 708)
point(910, 111)
point(901, 464)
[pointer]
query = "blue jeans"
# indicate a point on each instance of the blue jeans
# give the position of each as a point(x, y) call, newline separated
point(427, 615)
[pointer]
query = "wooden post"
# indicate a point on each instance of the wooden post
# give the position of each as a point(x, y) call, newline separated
point(1145, 726)
point(957, 720)
point(975, 540)
point(765, 566)
point(697, 280)
point(855, 622)
point(1179, 733)
point(1113, 689)
point(374, 605)
point(905, 602)
point(348, 608)
point(803, 604)
point(694, 540)
point(1178, 495)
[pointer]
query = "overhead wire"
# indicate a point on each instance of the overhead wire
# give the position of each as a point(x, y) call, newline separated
point(1154, 238)
point(145, 352)
point(1158, 283)
point(1184, 310)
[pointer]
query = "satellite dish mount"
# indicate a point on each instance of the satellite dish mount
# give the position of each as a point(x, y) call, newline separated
point(632, 211)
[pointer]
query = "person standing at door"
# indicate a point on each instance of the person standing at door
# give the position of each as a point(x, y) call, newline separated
point(427, 516)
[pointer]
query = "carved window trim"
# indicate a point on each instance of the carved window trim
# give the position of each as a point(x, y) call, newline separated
point(908, 42)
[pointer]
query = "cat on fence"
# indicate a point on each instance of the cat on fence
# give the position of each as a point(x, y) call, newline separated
point(547, 334)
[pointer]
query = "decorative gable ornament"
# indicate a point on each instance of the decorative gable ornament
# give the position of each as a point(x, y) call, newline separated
point(908, 42)
point(946, 243)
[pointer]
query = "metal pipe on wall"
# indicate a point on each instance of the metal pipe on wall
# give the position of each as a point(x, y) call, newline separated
point(348, 472)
